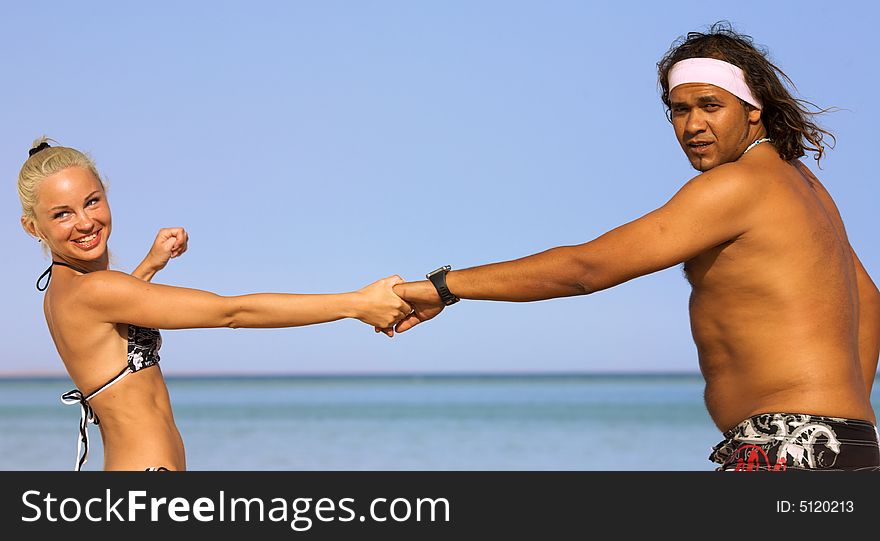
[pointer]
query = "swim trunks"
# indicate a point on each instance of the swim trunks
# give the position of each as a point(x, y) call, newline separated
point(797, 441)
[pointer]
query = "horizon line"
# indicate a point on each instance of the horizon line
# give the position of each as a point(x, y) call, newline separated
point(324, 375)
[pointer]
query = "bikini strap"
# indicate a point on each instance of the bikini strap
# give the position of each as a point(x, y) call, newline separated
point(124, 372)
point(47, 272)
point(69, 266)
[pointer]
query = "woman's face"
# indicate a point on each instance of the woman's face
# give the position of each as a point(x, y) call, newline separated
point(72, 215)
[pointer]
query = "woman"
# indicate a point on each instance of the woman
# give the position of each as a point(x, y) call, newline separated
point(104, 323)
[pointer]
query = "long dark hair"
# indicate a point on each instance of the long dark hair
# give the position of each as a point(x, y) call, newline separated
point(788, 120)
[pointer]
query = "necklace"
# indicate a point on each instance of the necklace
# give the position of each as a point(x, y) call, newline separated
point(756, 143)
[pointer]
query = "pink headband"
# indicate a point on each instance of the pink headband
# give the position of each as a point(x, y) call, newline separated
point(713, 72)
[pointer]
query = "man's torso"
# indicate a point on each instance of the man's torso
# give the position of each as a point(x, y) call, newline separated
point(774, 312)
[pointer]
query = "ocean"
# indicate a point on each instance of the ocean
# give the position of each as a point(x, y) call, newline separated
point(467, 422)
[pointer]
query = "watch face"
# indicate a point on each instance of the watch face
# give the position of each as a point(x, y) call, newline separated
point(445, 268)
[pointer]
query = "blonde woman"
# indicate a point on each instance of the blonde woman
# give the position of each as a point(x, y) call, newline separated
point(105, 323)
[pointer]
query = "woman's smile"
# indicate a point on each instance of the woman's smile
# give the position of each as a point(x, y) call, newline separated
point(89, 241)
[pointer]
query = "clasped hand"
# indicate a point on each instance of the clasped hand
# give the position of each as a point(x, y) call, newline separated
point(424, 301)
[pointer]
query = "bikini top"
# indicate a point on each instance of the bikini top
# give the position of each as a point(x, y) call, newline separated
point(143, 352)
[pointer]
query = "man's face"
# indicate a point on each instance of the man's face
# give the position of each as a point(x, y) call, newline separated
point(711, 124)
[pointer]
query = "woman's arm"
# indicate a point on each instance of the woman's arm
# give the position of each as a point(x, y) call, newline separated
point(170, 242)
point(116, 297)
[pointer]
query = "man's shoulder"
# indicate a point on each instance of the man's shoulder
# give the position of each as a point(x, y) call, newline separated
point(730, 180)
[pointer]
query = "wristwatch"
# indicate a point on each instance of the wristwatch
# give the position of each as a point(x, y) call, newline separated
point(438, 278)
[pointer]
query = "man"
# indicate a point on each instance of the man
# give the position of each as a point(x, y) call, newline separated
point(784, 316)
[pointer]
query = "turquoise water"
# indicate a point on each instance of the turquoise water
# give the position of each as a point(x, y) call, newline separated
point(394, 423)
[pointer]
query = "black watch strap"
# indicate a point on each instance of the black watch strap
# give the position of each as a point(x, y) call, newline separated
point(438, 278)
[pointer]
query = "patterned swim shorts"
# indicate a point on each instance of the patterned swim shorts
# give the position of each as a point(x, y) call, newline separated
point(796, 441)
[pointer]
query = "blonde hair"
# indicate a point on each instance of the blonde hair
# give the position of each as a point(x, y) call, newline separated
point(44, 163)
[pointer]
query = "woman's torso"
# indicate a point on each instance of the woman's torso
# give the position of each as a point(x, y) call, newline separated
point(136, 420)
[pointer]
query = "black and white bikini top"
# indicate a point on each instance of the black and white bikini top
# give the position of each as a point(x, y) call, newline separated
point(143, 352)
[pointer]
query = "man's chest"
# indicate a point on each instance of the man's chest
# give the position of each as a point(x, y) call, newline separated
point(714, 265)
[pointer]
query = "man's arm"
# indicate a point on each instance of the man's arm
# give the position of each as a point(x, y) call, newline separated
point(709, 210)
point(869, 323)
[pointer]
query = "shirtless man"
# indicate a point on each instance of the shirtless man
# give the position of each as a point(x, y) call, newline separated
point(784, 316)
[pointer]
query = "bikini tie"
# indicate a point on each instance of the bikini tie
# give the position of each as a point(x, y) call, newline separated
point(87, 415)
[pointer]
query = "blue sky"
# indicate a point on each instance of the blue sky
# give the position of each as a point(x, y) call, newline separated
point(304, 145)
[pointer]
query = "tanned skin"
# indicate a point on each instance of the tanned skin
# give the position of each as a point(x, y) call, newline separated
point(89, 313)
point(784, 316)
